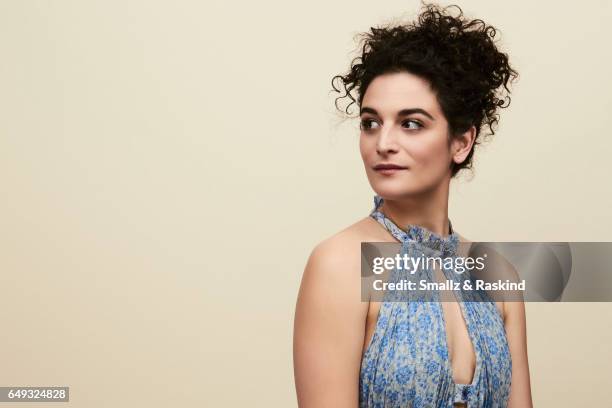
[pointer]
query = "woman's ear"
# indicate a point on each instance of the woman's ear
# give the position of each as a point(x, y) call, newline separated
point(462, 145)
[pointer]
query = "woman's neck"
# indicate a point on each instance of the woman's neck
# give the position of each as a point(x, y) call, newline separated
point(429, 211)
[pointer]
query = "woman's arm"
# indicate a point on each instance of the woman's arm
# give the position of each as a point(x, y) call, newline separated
point(329, 328)
point(516, 332)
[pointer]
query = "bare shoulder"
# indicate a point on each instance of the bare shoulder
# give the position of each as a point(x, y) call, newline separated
point(464, 250)
point(343, 248)
point(332, 273)
point(465, 245)
point(463, 240)
point(329, 322)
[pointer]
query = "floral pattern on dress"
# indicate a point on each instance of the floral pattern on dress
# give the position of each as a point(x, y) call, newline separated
point(406, 363)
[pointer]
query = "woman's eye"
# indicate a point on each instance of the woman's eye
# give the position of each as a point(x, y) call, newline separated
point(369, 124)
point(366, 124)
point(416, 124)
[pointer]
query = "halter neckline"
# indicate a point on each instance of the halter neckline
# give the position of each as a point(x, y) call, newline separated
point(413, 232)
point(415, 329)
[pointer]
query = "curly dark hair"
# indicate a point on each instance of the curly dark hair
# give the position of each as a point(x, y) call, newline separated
point(457, 56)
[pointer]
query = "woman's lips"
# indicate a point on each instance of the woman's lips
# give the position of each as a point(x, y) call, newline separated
point(389, 169)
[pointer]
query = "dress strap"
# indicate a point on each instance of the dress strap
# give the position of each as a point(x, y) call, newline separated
point(378, 200)
point(447, 245)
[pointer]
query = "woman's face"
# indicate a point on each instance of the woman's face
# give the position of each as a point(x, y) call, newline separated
point(402, 124)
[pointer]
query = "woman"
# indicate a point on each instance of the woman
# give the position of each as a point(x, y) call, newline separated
point(427, 93)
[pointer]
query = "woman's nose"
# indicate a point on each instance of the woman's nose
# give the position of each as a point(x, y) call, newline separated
point(386, 141)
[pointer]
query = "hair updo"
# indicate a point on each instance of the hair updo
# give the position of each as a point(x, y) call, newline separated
point(457, 56)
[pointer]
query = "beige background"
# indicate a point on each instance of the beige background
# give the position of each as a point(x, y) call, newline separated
point(166, 168)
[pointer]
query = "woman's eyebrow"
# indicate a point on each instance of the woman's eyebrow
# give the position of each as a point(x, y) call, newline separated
point(403, 112)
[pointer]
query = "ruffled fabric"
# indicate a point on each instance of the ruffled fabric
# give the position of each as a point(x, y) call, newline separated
point(446, 246)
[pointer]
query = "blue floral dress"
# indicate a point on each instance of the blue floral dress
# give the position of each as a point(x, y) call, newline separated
point(406, 363)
